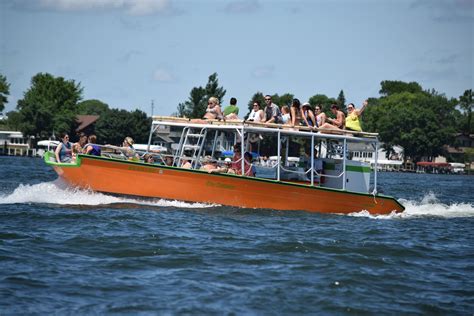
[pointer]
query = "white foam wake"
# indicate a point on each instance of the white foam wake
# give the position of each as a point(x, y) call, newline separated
point(57, 193)
point(429, 206)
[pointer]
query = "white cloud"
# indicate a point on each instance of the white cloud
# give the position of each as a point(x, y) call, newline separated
point(163, 75)
point(132, 7)
point(263, 71)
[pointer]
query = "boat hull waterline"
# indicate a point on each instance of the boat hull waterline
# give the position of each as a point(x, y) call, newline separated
point(156, 181)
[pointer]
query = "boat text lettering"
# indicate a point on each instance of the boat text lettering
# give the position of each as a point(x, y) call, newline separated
point(219, 185)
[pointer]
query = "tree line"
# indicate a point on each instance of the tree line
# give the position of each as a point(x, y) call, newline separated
point(421, 121)
point(50, 107)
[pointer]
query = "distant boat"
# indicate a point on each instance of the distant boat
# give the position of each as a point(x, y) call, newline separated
point(45, 146)
point(153, 148)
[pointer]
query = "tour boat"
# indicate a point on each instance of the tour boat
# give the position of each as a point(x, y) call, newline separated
point(322, 178)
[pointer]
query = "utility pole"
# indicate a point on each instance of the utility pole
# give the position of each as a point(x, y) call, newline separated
point(152, 107)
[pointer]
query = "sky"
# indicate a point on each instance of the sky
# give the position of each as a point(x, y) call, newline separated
point(127, 53)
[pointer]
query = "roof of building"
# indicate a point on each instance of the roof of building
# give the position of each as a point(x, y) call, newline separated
point(85, 120)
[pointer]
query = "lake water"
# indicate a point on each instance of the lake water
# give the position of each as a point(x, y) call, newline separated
point(66, 251)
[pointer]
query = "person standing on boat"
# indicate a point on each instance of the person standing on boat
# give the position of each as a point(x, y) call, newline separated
point(272, 111)
point(92, 148)
point(338, 122)
point(213, 110)
point(308, 115)
point(352, 119)
point(231, 111)
point(256, 115)
point(64, 150)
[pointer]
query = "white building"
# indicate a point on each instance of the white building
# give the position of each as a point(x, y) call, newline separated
point(394, 162)
point(13, 143)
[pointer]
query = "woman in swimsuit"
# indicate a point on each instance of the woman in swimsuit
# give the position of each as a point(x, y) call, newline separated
point(213, 110)
point(320, 116)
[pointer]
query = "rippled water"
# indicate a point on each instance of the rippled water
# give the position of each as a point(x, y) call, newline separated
point(66, 251)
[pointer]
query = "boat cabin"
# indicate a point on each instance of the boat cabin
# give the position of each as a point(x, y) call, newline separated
point(279, 152)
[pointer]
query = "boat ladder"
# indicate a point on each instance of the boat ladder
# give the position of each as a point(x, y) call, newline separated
point(192, 140)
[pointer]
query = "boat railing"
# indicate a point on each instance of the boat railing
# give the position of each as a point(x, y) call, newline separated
point(309, 172)
point(338, 150)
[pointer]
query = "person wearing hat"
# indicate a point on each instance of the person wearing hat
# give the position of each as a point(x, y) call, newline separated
point(308, 115)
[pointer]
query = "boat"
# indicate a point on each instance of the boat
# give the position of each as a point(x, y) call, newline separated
point(329, 182)
point(44, 146)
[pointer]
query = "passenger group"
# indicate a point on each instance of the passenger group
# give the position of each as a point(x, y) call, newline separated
point(294, 115)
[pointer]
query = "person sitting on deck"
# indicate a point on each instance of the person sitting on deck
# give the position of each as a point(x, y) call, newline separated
point(308, 115)
point(231, 112)
point(296, 117)
point(249, 169)
point(209, 164)
point(272, 111)
point(186, 164)
point(213, 110)
point(286, 116)
point(236, 165)
point(320, 115)
point(78, 147)
point(64, 150)
point(352, 119)
point(127, 149)
point(92, 148)
point(148, 158)
point(256, 115)
point(338, 122)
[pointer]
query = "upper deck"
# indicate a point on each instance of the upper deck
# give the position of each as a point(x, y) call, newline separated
point(249, 126)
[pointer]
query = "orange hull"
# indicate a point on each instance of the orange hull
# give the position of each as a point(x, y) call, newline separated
point(134, 178)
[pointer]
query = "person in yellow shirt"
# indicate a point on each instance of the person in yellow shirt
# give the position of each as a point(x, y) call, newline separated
point(352, 119)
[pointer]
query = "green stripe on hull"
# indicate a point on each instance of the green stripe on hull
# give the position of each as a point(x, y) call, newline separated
point(331, 166)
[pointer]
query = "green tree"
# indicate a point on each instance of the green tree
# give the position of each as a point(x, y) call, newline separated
point(49, 105)
point(420, 122)
point(14, 120)
point(4, 91)
point(389, 87)
point(466, 103)
point(92, 107)
point(284, 99)
point(213, 90)
point(117, 124)
point(195, 106)
point(341, 101)
point(322, 100)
